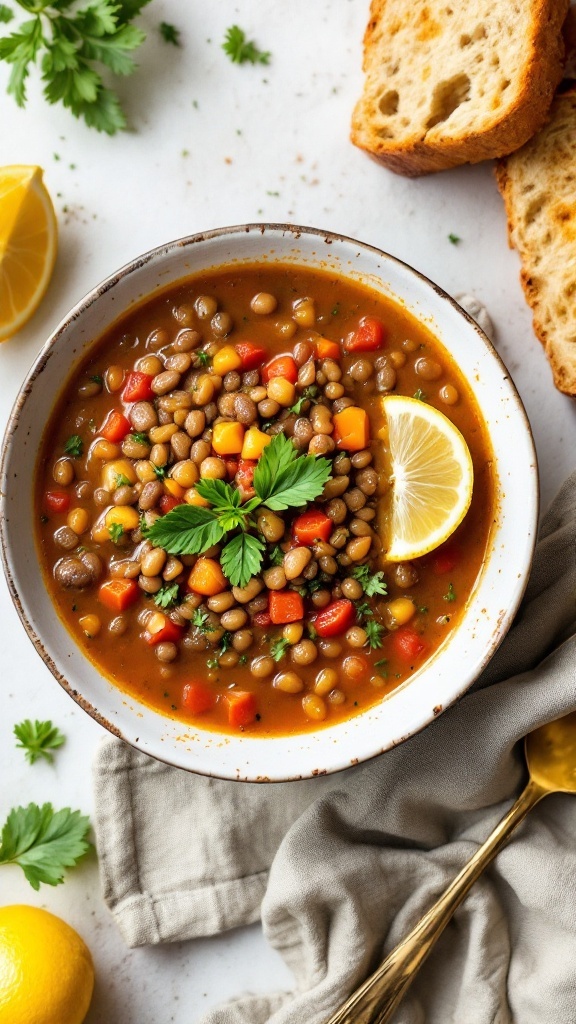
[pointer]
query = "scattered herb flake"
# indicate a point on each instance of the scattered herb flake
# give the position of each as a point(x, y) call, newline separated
point(167, 596)
point(419, 395)
point(240, 50)
point(121, 480)
point(97, 378)
point(203, 359)
point(38, 739)
point(371, 582)
point(454, 238)
point(140, 437)
point(279, 647)
point(169, 33)
point(375, 633)
point(74, 446)
point(116, 531)
point(199, 619)
point(160, 471)
point(451, 594)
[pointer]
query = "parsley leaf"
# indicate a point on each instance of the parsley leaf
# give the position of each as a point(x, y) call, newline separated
point(454, 238)
point(451, 594)
point(97, 378)
point(203, 359)
point(44, 842)
point(5, 13)
point(140, 437)
point(38, 739)
point(187, 529)
point(282, 479)
point(241, 558)
point(240, 50)
point(371, 582)
point(419, 395)
point(167, 596)
point(169, 33)
point(375, 632)
point(276, 555)
point(308, 395)
point(121, 480)
point(199, 620)
point(76, 45)
point(381, 666)
point(160, 472)
point(74, 446)
point(279, 647)
point(116, 531)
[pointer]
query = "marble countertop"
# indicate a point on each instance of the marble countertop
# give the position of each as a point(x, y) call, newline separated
point(213, 143)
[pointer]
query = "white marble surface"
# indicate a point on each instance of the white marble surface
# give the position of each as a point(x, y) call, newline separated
point(212, 144)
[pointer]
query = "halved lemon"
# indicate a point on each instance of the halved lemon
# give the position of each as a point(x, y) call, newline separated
point(432, 477)
point(28, 243)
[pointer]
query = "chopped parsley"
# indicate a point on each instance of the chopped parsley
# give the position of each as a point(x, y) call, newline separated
point(240, 50)
point(381, 666)
point(140, 437)
point(371, 582)
point(122, 481)
point(199, 619)
point(454, 238)
point(375, 633)
point(74, 446)
point(116, 531)
point(203, 359)
point(97, 378)
point(308, 395)
point(167, 596)
point(451, 594)
point(160, 471)
point(169, 33)
point(419, 395)
point(276, 555)
point(279, 647)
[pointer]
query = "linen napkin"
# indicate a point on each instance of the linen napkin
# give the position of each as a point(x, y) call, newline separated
point(340, 868)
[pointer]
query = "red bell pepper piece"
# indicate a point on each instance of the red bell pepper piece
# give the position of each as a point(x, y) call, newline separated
point(445, 559)
point(118, 594)
point(281, 366)
point(369, 336)
point(285, 606)
point(169, 632)
point(328, 349)
point(198, 698)
point(137, 388)
point(335, 618)
point(115, 427)
point(262, 619)
point(252, 357)
point(168, 502)
point(407, 644)
point(245, 477)
point(311, 526)
point(57, 501)
point(242, 708)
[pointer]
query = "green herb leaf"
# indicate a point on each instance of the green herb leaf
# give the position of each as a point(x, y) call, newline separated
point(276, 555)
point(167, 596)
point(186, 530)
point(308, 395)
point(38, 739)
point(122, 481)
point(169, 33)
point(451, 594)
point(203, 359)
point(282, 479)
point(160, 472)
point(375, 632)
point(199, 620)
point(242, 558)
point(225, 643)
point(116, 531)
point(5, 13)
point(419, 395)
point(240, 50)
point(44, 842)
point(279, 647)
point(74, 446)
point(381, 666)
point(454, 239)
point(97, 378)
point(371, 582)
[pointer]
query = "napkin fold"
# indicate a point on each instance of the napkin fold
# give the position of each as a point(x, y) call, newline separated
point(340, 868)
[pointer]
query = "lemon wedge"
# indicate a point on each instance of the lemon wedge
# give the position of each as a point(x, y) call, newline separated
point(28, 243)
point(432, 477)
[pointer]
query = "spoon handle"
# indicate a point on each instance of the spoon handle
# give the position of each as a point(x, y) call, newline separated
point(376, 999)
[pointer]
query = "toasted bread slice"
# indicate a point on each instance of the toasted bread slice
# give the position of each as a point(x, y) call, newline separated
point(538, 184)
point(450, 83)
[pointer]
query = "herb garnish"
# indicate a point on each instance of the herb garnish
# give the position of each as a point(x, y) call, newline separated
point(375, 632)
point(75, 46)
point(240, 49)
point(419, 395)
point(371, 582)
point(97, 378)
point(308, 395)
point(203, 359)
point(276, 555)
point(160, 471)
point(38, 739)
point(454, 238)
point(451, 594)
point(199, 619)
point(167, 596)
point(279, 647)
point(140, 437)
point(169, 33)
point(116, 531)
point(121, 480)
point(74, 446)
point(282, 479)
point(44, 842)
point(381, 666)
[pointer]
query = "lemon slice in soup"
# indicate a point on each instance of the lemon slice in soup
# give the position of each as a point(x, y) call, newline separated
point(431, 476)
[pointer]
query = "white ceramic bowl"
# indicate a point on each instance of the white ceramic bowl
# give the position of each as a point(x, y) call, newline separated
point(490, 609)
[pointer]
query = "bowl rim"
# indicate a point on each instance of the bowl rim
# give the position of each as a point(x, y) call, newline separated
point(92, 296)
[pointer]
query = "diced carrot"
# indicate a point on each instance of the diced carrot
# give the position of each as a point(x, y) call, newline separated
point(369, 336)
point(262, 619)
point(207, 577)
point(118, 594)
point(328, 349)
point(57, 501)
point(445, 559)
point(168, 502)
point(169, 632)
point(227, 437)
point(407, 644)
point(351, 429)
point(242, 708)
point(252, 357)
point(137, 388)
point(115, 427)
point(281, 366)
point(335, 618)
point(311, 526)
point(197, 698)
point(285, 606)
point(245, 477)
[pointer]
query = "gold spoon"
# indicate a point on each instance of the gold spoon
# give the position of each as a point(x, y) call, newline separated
point(551, 758)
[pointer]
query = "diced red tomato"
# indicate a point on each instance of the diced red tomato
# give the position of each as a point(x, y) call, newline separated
point(115, 427)
point(285, 606)
point(311, 526)
point(168, 502)
point(445, 559)
point(56, 501)
point(328, 349)
point(281, 366)
point(335, 618)
point(252, 357)
point(198, 698)
point(407, 644)
point(231, 467)
point(245, 477)
point(242, 708)
point(262, 619)
point(137, 388)
point(118, 594)
point(169, 632)
point(369, 336)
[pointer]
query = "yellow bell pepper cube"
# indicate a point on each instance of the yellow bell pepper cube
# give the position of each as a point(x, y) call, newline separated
point(191, 497)
point(255, 442)
point(227, 438)
point(226, 359)
point(117, 468)
point(122, 515)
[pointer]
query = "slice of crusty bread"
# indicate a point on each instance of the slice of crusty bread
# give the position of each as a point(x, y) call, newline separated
point(538, 184)
point(451, 82)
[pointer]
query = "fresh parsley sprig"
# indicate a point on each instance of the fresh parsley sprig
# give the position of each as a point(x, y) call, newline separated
point(371, 582)
point(44, 842)
point(282, 479)
point(169, 33)
point(240, 49)
point(74, 446)
point(168, 596)
point(278, 648)
point(74, 42)
point(38, 739)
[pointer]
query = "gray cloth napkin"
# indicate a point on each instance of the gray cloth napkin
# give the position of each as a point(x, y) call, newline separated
point(340, 868)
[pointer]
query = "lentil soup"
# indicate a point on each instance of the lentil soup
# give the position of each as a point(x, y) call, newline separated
point(170, 553)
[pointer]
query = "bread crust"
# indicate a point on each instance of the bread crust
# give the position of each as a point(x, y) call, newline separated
point(542, 172)
point(496, 135)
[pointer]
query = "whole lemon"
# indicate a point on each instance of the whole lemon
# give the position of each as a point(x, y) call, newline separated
point(46, 971)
